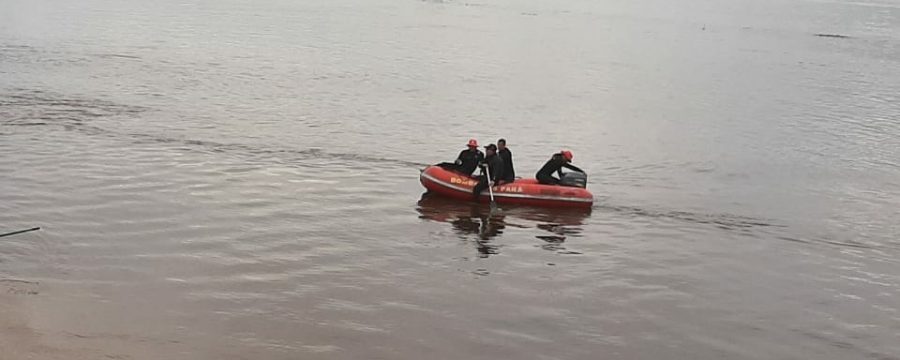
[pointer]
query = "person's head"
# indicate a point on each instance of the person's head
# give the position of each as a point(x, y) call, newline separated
point(473, 144)
point(501, 144)
point(566, 154)
point(490, 149)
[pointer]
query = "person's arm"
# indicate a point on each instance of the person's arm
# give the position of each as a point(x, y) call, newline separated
point(511, 170)
point(458, 160)
point(498, 170)
point(573, 167)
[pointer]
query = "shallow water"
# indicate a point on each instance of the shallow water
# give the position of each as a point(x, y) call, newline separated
point(224, 180)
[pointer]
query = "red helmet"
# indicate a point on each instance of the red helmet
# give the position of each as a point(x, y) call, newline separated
point(567, 154)
point(473, 143)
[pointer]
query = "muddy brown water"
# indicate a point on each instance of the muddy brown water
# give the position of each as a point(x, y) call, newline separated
point(237, 180)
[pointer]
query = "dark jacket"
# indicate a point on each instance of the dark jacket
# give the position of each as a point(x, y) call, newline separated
point(495, 167)
point(509, 173)
point(468, 160)
point(555, 164)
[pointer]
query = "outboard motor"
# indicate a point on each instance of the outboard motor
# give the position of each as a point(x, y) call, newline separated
point(574, 179)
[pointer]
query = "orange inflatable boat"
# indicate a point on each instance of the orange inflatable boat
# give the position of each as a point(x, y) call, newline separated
point(520, 192)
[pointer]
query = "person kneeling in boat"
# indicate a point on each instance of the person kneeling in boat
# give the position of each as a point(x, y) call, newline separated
point(467, 161)
point(555, 165)
point(493, 166)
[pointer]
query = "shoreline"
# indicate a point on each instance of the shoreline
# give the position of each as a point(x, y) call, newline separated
point(19, 338)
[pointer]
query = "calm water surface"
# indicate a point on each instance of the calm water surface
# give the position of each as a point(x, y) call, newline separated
point(239, 180)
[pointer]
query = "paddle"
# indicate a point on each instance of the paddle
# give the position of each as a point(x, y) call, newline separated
point(19, 232)
point(487, 170)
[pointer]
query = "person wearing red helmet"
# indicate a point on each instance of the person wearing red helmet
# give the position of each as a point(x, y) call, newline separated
point(468, 159)
point(558, 161)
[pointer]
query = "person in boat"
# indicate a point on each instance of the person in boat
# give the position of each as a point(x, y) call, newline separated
point(467, 161)
point(509, 173)
point(558, 161)
point(493, 166)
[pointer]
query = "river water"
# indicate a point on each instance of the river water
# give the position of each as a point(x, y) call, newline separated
point(239, 180)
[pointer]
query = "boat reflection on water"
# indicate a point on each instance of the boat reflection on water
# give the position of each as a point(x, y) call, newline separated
point(467, 219)
point(471, 219)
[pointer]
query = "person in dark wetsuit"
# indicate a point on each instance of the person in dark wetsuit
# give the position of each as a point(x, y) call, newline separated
point(494, 165)
point(467, 161)
point(555, 164)
point(509, 173)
